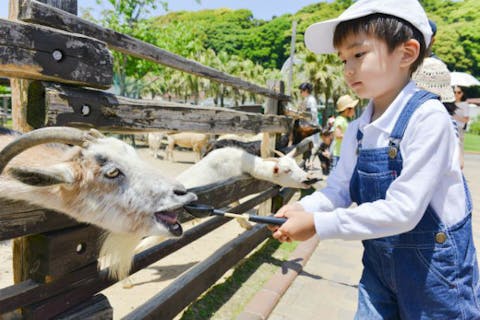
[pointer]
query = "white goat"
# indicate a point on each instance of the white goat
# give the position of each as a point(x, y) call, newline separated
point(100, 180)
point(225, 163)
point(242, 138)
point(155, 142)
point(196, 141)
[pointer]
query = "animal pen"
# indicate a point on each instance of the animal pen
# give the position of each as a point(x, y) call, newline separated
point(51, 56)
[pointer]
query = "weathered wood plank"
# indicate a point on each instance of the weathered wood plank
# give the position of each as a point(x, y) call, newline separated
point(96, 308)
point(67, 6)
point(35, 52)
point(81, 284)
point(185, 289)
point(18, 218)
point(34, 11)
point(57, 253)
point(84, 108)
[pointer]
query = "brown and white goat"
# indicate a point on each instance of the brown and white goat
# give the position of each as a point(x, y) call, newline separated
point(196, 141)
point(100, 180)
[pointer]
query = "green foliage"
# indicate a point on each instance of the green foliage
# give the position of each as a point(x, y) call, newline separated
point(474, 127)
point(234, 42)
point(4, 90)
point(472, 142)
point(458, 38)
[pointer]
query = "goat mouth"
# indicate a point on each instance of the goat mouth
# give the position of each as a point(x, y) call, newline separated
point(309, 182)
point(169, 220)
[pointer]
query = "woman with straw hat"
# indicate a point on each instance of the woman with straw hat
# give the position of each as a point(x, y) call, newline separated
point(346, 109)
point(434, 76)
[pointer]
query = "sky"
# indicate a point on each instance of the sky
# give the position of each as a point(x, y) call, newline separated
point(261, 9)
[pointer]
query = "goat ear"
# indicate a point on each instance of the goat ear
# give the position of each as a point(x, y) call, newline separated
point(42, 177)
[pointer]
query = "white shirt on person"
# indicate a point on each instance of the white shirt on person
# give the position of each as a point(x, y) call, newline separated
point(431, 174)
point(311, 105)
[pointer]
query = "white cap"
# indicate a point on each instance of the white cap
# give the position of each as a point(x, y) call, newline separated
point(319, 36)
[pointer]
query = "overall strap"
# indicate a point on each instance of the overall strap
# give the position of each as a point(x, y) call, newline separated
point(396, 136)
point(415, 101)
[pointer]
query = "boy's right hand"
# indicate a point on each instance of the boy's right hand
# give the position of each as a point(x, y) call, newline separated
point(281, 213)
point(296, 227)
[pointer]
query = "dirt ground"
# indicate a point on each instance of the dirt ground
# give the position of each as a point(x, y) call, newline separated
point(148, 282)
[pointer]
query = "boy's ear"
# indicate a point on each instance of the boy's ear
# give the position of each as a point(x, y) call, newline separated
point(411, 51)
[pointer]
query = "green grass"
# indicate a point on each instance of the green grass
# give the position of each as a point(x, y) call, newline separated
point(266, 260)
point(472, 142)
point(8, 124)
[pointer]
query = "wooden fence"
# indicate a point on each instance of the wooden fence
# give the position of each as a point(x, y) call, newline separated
point(52, 56)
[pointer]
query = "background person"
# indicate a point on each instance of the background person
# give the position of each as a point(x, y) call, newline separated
point(346, 109)
point(311, 108)
point(461, 116)
point(325, 151)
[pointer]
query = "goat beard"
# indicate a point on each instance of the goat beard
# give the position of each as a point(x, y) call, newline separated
point(117, 253)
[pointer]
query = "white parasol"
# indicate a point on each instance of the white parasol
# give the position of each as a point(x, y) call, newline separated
point(463, 79)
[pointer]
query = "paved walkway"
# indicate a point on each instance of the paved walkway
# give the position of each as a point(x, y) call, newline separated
point(326, 286)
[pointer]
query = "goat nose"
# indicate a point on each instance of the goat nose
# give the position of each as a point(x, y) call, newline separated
point(180, 192)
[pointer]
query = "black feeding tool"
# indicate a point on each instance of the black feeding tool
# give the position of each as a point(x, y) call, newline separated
point(203, 210)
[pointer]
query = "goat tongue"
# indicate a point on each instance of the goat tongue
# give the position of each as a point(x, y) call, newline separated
point(169, 219)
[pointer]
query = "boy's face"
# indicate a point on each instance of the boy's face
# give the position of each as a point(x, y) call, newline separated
point(369, 68)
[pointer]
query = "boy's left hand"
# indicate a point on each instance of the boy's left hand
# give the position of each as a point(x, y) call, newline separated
point(299, 226)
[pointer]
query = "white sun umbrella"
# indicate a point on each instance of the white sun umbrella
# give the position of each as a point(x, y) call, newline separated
point(463, 79)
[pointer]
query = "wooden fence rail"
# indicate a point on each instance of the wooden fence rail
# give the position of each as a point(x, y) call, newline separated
point(34, 11)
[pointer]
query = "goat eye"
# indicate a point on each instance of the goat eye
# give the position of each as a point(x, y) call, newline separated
point(112, 173)
point(288, 171)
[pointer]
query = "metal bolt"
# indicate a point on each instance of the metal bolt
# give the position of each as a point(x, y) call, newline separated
point(57, 55)
point(85, 110)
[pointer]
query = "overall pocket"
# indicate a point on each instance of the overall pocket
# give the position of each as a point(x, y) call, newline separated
point(373, 186)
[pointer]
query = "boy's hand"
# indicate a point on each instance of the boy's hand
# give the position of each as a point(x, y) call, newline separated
point(299, 226)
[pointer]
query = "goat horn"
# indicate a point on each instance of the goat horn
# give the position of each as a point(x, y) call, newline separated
point(33, 138)
point(278, 153)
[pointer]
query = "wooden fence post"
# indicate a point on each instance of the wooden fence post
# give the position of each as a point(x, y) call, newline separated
point(25, 120)
point(269, 139)
point(20, 89)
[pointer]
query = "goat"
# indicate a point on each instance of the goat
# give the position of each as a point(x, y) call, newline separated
point(155, 142)
point(242, 138)
point(225, 163)
point(196, 141)
point(100, 180)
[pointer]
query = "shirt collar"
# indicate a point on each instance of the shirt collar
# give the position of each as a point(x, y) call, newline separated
point(387, 120)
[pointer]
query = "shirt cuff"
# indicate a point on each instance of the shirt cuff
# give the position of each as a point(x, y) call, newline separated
point(327, 225)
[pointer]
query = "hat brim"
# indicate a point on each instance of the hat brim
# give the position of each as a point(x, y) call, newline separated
point(319, 36)
point(352, 104)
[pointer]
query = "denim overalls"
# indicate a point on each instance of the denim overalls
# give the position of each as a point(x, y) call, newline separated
point(429, 272)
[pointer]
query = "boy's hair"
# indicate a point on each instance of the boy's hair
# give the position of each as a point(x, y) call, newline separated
point(393, 30)
point(306, 87)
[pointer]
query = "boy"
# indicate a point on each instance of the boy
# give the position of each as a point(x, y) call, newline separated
point(399, 163)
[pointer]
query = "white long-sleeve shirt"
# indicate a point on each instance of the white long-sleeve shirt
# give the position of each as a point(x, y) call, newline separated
point(431, 174)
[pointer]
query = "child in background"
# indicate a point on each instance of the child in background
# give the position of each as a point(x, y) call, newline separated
point(399, 163)
point(325, 152)
point(346, 110)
